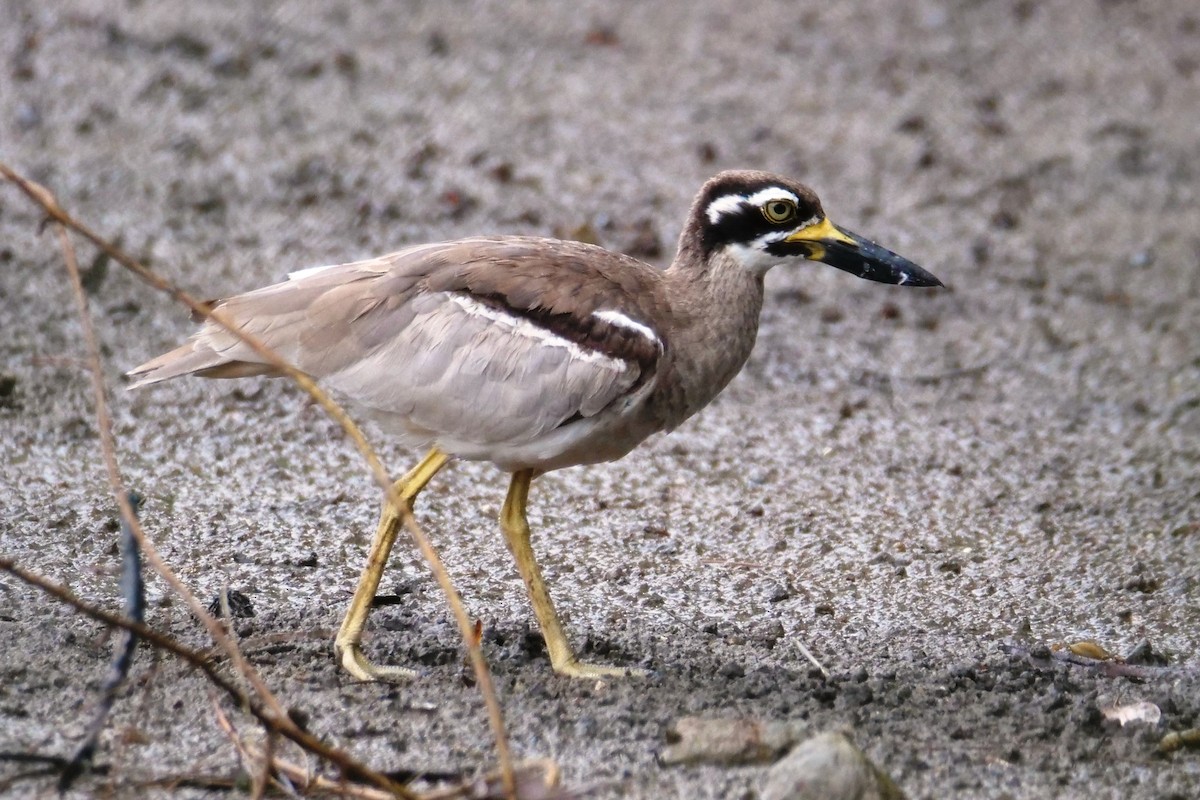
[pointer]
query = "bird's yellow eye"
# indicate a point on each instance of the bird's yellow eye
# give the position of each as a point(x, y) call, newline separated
point(779, 210)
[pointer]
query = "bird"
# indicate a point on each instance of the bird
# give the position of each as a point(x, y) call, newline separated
point(532, 353)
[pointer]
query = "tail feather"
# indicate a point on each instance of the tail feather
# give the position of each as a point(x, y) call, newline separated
point(279, 315)
point(193, 358)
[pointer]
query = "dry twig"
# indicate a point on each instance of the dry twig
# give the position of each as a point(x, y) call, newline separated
point(537, 779)
point(133, 587)
point(344, 762)
point(279, 719)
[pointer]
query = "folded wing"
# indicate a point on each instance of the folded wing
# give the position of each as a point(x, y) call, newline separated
point(484, 340)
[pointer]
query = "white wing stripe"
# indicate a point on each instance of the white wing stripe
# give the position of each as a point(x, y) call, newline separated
point(628, 323)
point(524, 327)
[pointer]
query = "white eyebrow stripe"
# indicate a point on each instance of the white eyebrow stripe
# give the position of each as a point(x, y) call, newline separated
point(620, 320)
point(725, 204)
point(771, 193)
point(732, 202)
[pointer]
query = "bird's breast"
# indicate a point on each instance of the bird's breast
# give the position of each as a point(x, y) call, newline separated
point(711, 338)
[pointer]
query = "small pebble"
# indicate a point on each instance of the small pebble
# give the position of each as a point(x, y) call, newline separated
point(732, 670)
point(827, 767)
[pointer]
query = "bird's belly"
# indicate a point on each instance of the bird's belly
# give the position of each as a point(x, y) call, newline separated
point(589, 441)
point(607, 436)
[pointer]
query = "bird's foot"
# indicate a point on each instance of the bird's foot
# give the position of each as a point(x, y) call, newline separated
point(357, 664)
point(574, 668)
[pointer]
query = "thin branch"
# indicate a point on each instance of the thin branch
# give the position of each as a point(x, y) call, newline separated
point(128, 517)
point(133, 587)
point(46, 200)
point(153, 637)
point(538, 778)
point(277, 770)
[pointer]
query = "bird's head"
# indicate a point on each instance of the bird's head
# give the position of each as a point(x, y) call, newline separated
point(761, 220)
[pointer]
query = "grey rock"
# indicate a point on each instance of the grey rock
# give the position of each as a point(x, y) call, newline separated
point(828, 767)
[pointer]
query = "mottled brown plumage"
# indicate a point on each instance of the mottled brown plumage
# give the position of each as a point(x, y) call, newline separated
point(534, 354)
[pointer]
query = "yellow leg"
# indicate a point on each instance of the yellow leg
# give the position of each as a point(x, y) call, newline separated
point(348, 644)
point(516, 534)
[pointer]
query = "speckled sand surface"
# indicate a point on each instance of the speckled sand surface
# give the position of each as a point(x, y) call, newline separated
point(905, 482)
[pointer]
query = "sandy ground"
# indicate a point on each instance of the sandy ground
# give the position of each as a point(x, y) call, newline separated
point(908, 483)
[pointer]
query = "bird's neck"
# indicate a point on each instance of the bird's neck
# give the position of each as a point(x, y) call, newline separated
point(715, 311)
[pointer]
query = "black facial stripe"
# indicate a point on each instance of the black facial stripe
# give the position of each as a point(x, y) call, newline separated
point(741, 226)
point(781, 249)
